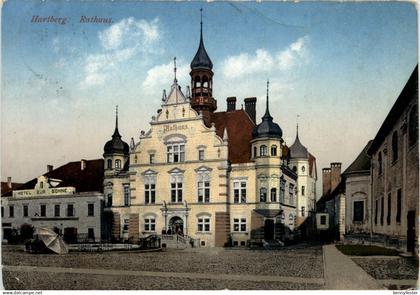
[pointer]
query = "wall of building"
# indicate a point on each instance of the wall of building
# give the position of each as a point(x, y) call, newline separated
point(401, 174)
point(357, 190)
point(80, 220)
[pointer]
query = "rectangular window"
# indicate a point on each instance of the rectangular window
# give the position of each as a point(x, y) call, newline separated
point(109, 200)
point(57, 210)
point(70, 210)
point(149, 224)
point(399, 197)
point(282, 185)
point(126, 195)
point(303, 190)
point(382, 210)
point(175, 153)
point(25, 211)
point(239, 191)
point(91, 209)
point(152, 158)
point(303, 210)
point(43, 210)
point(376, 211)
point(204, 224)
point(201, 155)
point(150, 193)
point(125, 225)
point(358, 210)
point(239, 224)
point(91, 234)
point(11, 211)
point(273, 195)
point(2, 212)
point(176, 192)
point(388, 216)
point(291, 194)
point(203, 191)
point(323, 220)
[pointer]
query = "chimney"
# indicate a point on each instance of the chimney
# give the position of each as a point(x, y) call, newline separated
point(50, 168)
point(335, 175)
point(9, 182)
point(82, 164)
point(250, 103)
point(326, 180)
point(231, 103)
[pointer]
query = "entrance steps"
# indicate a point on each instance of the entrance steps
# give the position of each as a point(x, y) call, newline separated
point(176, 241)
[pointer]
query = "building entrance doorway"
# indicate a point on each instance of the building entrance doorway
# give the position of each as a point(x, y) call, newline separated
point(269, 229)
point(411, 231)
point(176, 225)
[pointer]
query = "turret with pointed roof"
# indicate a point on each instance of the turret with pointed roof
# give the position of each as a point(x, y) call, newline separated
point(116, 145)
point(297, 149)
point(267, 128)
point(202, 79)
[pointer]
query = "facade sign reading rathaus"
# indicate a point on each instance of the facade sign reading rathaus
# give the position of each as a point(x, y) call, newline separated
point(213, 178)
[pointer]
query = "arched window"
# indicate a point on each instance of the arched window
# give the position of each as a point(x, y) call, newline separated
point(273, 195)
point(394, 146)
point(263, 194)
point(255, 151)
point(197, 81)
point(263, 150)
point(118, 164)
point(205, 82)
point(413, 129)
point(274, 150)
point(380, 163)
point(109, 163)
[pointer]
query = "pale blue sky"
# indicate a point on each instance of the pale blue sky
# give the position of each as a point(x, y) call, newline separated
point(340, 66)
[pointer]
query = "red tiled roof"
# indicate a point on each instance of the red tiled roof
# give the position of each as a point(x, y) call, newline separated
point(312, 165)
point(89, 179)
point(239, 129)
point(5, 186)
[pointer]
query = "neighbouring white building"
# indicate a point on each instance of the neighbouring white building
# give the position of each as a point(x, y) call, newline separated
point(68, 199)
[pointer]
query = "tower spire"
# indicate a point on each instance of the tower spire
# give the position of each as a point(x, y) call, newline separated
point(116, 117)
point(116, 133)
point(297, 126)
point(201, 23)
point(175, 80)
point(267, 111)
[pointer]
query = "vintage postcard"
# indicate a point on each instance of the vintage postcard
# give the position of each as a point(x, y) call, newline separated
point(265, 145)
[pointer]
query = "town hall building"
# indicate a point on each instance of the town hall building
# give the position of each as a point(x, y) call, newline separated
point(219, 178)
